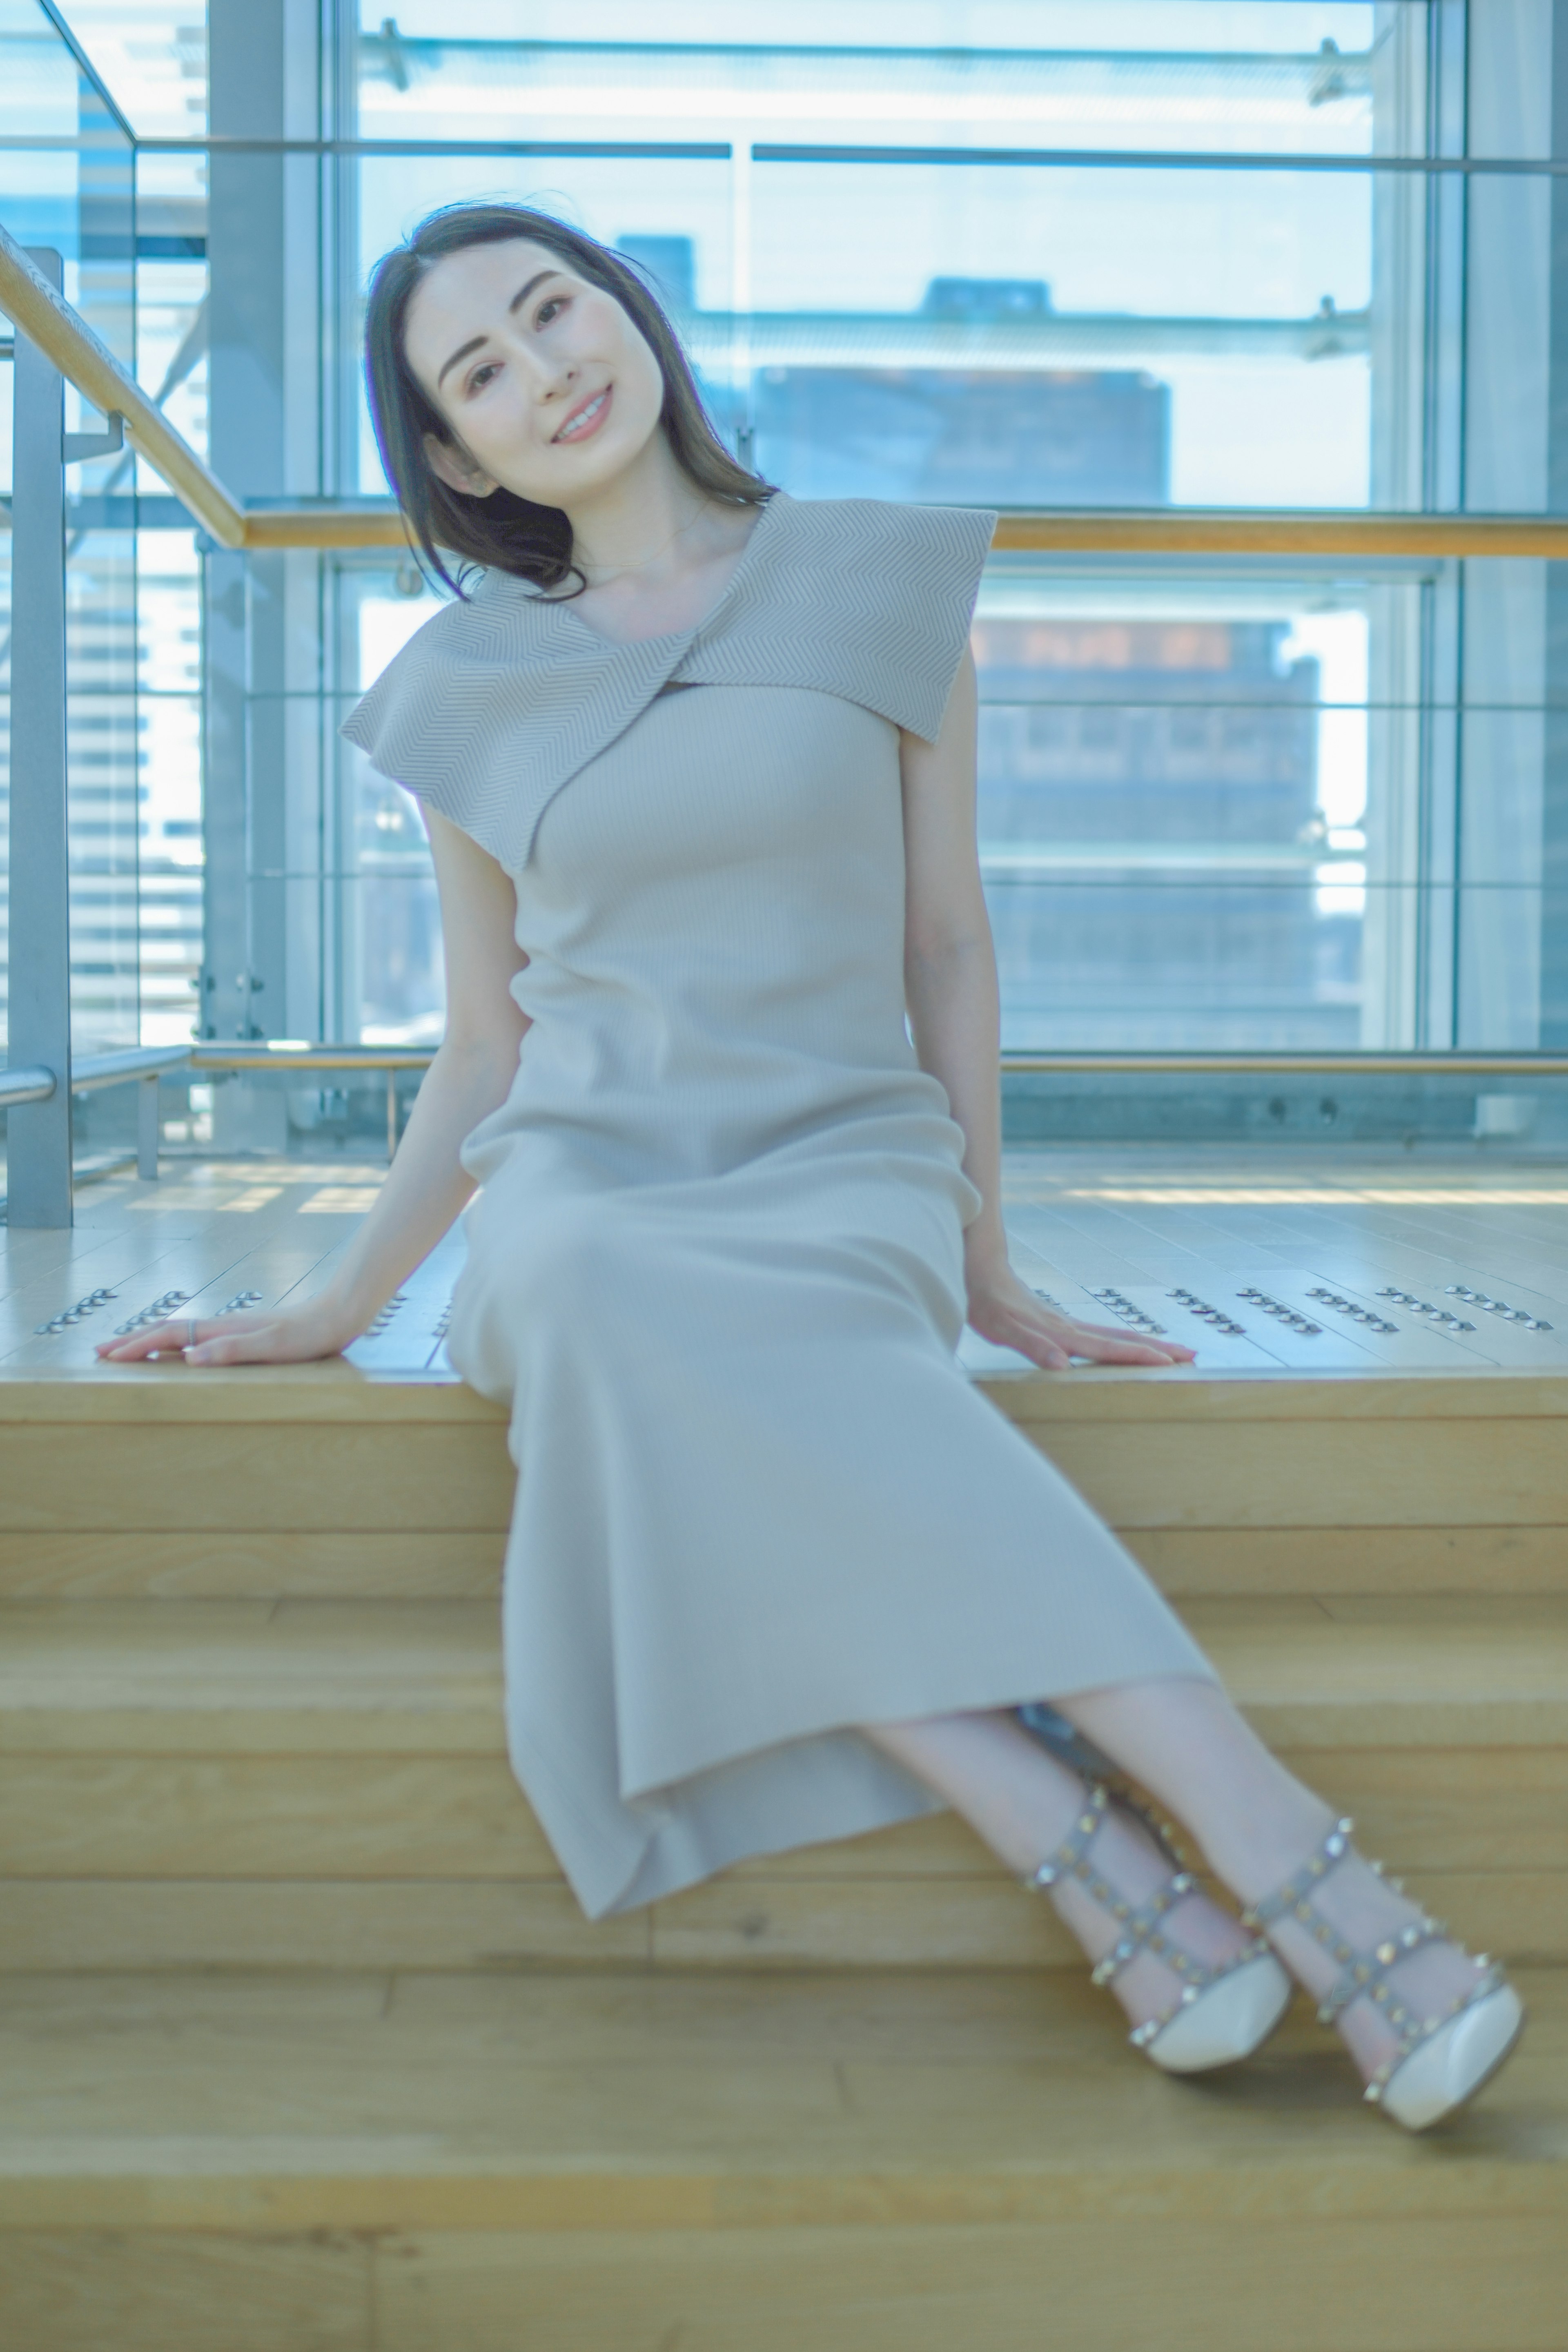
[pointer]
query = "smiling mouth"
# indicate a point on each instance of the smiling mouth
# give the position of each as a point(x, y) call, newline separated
point(586, 419)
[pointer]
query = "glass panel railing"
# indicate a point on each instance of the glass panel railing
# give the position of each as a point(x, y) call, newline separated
point(67, 184)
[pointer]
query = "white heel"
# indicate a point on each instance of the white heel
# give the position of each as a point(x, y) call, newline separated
point(1441, 2061)
point(1446, 2070)
point(1223, 2013)
point(1234, 2017)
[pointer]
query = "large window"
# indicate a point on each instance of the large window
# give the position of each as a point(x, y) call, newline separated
point(1175, 770)
point(1155, 254)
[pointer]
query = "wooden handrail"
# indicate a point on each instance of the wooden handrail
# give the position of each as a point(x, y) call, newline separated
point(32, 305)
point(1189, 530)
point(269, 528)
point(1167, 530)
point(28, 299)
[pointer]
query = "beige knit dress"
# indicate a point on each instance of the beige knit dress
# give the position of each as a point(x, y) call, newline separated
point(716, 1266)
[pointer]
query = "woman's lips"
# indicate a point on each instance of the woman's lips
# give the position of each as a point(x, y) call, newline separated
point(587, 419)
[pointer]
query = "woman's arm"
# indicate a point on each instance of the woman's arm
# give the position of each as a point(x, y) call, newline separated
point(426, 1186)
point(950, 986)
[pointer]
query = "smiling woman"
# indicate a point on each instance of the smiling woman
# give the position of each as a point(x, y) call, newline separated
point(721, 1056)
point(526, 297)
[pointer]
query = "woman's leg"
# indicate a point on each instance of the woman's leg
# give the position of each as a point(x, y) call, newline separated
point(1183, 1740)
point(1024, 1800)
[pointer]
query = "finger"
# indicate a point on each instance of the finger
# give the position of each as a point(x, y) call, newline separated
point(166, 1338)
point(257, 1345)
point(1121, 1346)
point(1119, 1349)
point(1047, 1353)
point(1118, 1332)
point(1026, 1338)
point(1099, 1346)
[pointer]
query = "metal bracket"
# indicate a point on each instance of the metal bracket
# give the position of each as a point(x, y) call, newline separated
point(77, 446)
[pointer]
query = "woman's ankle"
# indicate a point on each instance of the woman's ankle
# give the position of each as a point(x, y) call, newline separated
point(1128, 1860)
point(1369, 1918)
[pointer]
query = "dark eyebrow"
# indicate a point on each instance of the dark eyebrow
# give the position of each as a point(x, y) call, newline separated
point(518, 298)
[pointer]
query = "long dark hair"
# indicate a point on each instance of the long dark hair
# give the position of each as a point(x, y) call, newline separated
point(503, 531)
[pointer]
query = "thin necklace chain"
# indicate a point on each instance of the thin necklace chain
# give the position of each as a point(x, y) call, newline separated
point(626, 570)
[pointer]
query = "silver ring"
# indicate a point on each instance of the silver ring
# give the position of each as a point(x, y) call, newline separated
point(191, 1333)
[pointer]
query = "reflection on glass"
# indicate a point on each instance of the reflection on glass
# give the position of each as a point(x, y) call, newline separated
point(150, 58)
point(1264, 80)
point(1061, 336)
point(1246, 810)
point(67, 185)
point(395, 982)
point(1171, 823)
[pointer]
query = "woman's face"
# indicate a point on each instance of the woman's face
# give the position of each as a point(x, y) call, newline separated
point(547, 386)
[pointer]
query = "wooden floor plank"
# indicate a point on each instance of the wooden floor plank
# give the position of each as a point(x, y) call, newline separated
point(70, 2290)
point(236, 1564)
point(489, 2101)
point(800, 1915)
point(340, 1818)
point(322, 1677)
point(1101, 2285)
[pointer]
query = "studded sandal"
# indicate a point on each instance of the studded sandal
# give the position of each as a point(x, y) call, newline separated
point(1223, 2013)
point(1441, 2061)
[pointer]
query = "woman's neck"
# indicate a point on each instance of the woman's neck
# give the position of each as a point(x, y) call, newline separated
point(656, 551)
point(640, 524)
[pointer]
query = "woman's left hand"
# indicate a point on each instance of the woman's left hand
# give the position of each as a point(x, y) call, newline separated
point(1005, 1311)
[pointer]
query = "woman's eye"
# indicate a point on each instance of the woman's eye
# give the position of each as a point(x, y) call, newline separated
point(548, 309)
point(481, 376)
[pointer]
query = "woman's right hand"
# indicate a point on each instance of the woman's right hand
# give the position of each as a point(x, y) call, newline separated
point(278, 1335)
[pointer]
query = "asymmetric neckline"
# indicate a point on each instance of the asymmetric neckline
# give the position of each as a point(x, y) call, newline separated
point(675, 637)
point(501, 699)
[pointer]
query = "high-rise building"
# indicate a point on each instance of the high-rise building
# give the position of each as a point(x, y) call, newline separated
point(1149, 831)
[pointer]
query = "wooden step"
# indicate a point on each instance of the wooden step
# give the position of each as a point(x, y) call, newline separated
point(318, 1480)
point(325, 1784)
point(388, 1678)
point(578, 2164)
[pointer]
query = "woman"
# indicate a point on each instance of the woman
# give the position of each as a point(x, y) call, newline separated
point(699, 767)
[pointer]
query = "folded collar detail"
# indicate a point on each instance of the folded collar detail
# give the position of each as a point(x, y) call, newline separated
point(499, 700)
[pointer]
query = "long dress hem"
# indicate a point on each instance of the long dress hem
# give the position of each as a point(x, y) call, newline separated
point(715, 1264)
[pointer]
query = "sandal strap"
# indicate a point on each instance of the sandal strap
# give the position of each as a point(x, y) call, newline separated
point(1364, 1974)
point(1138, 1925)
point(1296, 1890)
point(1413, 2030)
point(1071, 1855)
point(1360, 1970)
point(1140, 1932)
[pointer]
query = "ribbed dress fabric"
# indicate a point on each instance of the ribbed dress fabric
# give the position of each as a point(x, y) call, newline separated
point(715, 1264)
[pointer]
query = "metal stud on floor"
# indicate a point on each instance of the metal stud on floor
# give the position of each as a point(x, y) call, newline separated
point(74, 1315)
point(1208, 1313)
point(159, 1309)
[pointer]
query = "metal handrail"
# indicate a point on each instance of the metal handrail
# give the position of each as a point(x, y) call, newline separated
point(92, 1071)
point(30, 1084)
point(28, 299)
point(270, 1055)
point(1431, 1062)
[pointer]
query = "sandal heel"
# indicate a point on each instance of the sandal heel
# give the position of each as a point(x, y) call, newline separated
point(1225, 2024)
point(1223, 2013)
point(1446, 2070)
point(1440, 2062)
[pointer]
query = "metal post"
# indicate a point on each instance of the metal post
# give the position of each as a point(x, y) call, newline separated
point(38, 1134)
point(147, 1128)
